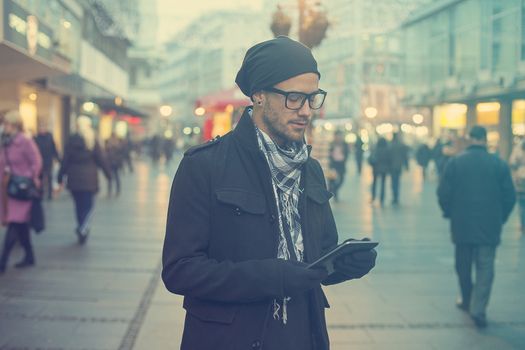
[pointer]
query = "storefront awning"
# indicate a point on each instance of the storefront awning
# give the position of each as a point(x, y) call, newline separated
point(220, 100)
point(17, 65)
point(125, 109)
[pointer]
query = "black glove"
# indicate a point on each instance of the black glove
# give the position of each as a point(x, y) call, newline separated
point(352, 266)
point(297, 278)
point(357, 264)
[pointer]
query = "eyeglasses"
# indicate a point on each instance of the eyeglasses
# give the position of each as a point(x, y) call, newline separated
point(295, 100)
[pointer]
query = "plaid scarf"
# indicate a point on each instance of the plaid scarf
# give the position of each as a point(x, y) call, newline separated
point(285, 168)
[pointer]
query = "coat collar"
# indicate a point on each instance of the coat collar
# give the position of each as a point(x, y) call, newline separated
point(477, 147)
point(245, 132)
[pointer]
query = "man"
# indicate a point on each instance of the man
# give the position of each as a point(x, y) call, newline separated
point(359, 154)
point(249, 210)
point(423, 156)
point(46, 146)
point(477, 195)
point(338, 157)
point(398, 161)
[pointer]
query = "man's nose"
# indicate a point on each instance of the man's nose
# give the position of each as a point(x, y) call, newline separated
point(305, 110)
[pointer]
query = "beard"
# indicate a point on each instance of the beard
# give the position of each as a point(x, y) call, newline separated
point(278, 128)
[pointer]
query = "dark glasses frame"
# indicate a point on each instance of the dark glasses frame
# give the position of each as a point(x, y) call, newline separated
point(304, 96)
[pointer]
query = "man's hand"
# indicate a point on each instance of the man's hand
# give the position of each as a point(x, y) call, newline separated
point(352, 266)
point(357, 264)
point(297, 278)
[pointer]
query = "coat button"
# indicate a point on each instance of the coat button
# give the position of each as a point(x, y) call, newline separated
point(272, 219)
point(256, 345)
point(238, 211)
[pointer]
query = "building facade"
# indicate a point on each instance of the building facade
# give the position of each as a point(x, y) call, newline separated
point(38, 40)
point(58, 60)
point(204, 58)
point(466, 61)
point(361, 59)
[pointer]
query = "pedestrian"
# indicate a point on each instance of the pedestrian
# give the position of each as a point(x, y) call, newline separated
point(338, 156)
point(423, 156)
point(48, 151)
point(398, 162)
point(115, 158)
point(82, 159)
point(155, 149)
point(477, 195)
point(19, 156)
point(168, 147)
point(127, 149)
point(358, 147)
point(249, 210)
point(517, 164)
point(380, 161)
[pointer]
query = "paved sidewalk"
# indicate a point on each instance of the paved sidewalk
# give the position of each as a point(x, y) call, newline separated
point(107, 295)
point(90, 297)
point(408, 300)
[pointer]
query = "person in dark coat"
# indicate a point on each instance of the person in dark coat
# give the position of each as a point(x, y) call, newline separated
point(423, 156)
point(380, 162)
point(48, 151)
point(82, 159)
point(358, 149)
point(115, 157)
point(18, 156)
point(477, 194)
point(338, 157)
point(398, 162)
point(249, 210)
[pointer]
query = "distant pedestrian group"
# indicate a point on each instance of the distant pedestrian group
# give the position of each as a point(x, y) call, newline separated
point(388, 159)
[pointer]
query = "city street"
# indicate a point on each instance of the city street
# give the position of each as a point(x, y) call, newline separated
point(108, 294)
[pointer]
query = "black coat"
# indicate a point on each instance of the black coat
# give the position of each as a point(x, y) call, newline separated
point(380, 160)
point(80, 165)
point(47, 148)
point(477, 194)
point(221, 242)
point(398, 156)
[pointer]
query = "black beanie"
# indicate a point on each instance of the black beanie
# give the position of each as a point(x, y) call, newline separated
point(478, 132)
point(273, 61)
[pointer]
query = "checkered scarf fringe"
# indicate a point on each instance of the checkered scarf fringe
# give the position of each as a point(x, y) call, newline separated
point(285, 168)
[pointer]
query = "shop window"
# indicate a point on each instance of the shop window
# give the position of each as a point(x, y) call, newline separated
point(488, 113)
point(518, 117)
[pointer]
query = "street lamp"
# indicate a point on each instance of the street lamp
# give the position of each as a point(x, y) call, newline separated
point(165, 110)
point(371, 112)
point(200, 111)
point(418, 118)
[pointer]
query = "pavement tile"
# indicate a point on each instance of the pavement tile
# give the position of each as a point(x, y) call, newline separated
point(96, 296)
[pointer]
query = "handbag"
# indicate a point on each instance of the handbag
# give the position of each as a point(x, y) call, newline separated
point(20, 187)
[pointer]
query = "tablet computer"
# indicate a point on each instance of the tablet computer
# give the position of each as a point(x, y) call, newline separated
point(347, 247)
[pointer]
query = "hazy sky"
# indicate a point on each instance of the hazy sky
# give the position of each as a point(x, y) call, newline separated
point(175, 14)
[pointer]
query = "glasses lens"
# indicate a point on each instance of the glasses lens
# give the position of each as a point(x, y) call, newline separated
point(295, 101)
point(317, 100)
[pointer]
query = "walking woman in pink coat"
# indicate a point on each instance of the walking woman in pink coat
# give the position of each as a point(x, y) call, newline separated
point(18, 156)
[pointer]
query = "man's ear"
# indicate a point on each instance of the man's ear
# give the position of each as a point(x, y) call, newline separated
point(258, 98)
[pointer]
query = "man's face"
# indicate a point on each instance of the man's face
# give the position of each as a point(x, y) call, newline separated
point(284, 125)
